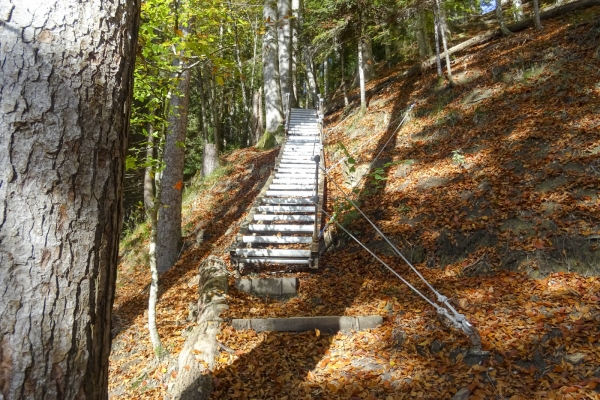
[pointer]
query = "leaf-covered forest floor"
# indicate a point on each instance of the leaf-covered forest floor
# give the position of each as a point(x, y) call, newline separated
point(490, 189)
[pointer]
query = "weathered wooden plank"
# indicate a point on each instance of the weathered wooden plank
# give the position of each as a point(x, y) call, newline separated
point(284, 217)
point(281, 228)
point(272, 253)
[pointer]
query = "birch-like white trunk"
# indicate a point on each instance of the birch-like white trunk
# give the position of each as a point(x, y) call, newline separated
point(518, 4)
point(361, 78)
point(154, 280)
point(66, 79)
point(273, 104)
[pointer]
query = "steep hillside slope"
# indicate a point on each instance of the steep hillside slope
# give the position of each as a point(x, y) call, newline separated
point(490, 188)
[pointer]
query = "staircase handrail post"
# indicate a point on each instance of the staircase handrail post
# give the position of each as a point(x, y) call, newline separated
point(317, 160)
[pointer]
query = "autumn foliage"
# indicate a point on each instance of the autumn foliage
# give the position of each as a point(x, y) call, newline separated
point(491, 189)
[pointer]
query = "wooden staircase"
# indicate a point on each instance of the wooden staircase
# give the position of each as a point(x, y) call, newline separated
point(284, 223)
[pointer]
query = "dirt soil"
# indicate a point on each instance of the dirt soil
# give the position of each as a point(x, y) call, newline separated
point(490, 188)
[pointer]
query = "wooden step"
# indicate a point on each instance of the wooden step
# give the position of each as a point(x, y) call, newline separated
point(292, 186)
point(273, 260)
point(284, 217)
point(286, 200)
point(272, 253)
point(298, 167)
point(295, 180)
point(277, 239)
point(286, 193)
point(281, 228)
point(286, 209)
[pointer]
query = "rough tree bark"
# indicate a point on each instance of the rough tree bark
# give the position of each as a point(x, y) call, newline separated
point(297, 14)
point(210, 159)
point(65, 89)
point(273, 104)
point(169, 216)
point(256, 120)
point(284, 32)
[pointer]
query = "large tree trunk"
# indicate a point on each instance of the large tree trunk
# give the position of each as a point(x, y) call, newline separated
point(65, 89)
point(169, 217)
point(285, 50)
point(273, 105)
point(297, 26)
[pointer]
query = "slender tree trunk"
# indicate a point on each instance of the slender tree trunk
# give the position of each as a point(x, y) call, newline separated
point(148, 171)
point(368, 65)
point(361, 78)
point(443, 20)
point(436, 28)
point(240, 67)
point(500, 17)
point(325, 78)
point(536, 14)
point(169, 217)
point(519, 16)
point(273, 102)
point(154, 280)
point(254, 56)
point(210, 159)
point(343, 74)
point(313, 90)
point(422, 41)
point(443, 34)
point(203, 115)
point(256, 121)
point(66, 80)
